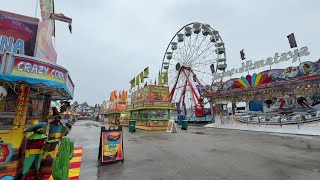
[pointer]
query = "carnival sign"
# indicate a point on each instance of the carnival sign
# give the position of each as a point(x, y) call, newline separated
point(304, 70)
point(22, 105)
point(276, 59)
point(18, 33)
point(111, 145)
point(38, 69)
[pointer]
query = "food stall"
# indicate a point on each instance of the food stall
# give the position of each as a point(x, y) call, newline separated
point(116, 112)
point(27, 86)
point(150, 107)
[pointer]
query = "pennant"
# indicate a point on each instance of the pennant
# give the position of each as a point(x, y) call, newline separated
point(141, 77)
point(133, 82)
point(166, 77)
point(146, 72)
point(292, 40)
point(137, 81)
point(242, 55)
point(160, 79)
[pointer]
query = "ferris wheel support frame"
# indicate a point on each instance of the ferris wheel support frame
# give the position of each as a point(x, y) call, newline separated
point(174, 87)
point(191, 87)
point(182, 98)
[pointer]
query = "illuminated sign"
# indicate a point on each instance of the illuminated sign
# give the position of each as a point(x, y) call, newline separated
point(249, 65)
point(39, 69)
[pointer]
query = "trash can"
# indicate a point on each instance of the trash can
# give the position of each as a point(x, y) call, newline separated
point(184, 125)
point(132, 126)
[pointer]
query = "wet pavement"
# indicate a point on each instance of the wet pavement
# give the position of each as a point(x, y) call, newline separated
point(202, 153)
point(86, 134)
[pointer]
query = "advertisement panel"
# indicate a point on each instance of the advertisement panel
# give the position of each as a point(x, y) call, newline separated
point(31, 68)
point(140, 95)
point(18, 34)
point(111, 145)
point(159, 93)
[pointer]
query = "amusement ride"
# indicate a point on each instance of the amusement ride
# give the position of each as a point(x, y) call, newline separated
point(193, 54)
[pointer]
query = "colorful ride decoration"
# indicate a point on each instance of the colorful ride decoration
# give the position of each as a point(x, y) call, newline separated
point(117, 112)
point(150, 107)
point(29, 81)
point(254, 80)
point(275, 96)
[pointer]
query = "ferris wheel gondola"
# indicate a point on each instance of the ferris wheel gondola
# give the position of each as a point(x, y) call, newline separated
point(194, 53)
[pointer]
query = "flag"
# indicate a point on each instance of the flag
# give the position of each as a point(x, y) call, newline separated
point(160, 79)
point(292, 40)
point(242, 55)
point(115, 95)
point(166, 77)
point(212, 68)
point(133, 82)
point(70, 28)
point(146, 72)
point(137, 80)
point(141, 77)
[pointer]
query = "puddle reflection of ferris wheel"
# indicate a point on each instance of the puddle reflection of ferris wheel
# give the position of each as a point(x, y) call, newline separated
point(194, 53)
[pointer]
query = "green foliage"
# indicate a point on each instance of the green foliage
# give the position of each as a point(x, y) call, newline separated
point(60, 165)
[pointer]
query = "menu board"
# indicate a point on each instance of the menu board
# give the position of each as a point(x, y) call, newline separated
point(111, 145)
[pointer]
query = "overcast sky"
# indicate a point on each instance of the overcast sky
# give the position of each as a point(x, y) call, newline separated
point(113, 40)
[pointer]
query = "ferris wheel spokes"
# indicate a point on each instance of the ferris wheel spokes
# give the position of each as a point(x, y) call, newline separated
point(190, 59)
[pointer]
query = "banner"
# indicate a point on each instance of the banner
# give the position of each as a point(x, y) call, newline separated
point(45, 49)
point(18, 33)
point(22, 105)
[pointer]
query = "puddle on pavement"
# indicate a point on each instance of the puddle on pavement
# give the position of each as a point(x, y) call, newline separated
point(198, 132)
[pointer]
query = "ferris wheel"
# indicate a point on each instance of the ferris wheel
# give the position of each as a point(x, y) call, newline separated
point(194, 53)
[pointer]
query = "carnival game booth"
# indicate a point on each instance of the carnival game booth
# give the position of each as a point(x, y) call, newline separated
point(27, 86)
point(273, 97)
point(150, 107)
point(116, 112)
